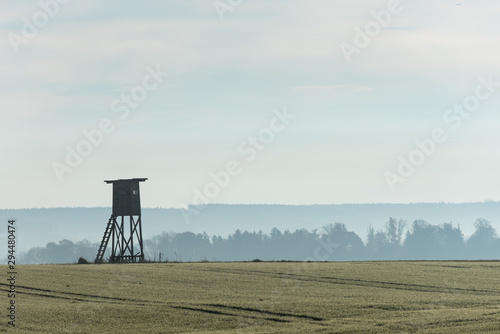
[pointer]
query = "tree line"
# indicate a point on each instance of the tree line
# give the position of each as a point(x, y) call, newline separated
point(334, 242)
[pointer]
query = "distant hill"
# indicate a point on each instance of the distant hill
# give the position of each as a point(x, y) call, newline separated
point(37, 227)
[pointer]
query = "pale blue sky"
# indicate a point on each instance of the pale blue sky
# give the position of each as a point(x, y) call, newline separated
point(353, 119)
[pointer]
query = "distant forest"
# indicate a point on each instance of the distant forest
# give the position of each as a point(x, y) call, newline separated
point(398, 240)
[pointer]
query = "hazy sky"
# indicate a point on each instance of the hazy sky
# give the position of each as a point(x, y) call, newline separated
point(350, 105)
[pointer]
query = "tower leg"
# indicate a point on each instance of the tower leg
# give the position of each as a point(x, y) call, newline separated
point(122, 245)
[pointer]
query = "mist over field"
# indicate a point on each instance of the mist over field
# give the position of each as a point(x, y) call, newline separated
point(37, 227)
point(270, 232)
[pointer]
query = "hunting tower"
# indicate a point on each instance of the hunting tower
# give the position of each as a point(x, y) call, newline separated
point(125, 247)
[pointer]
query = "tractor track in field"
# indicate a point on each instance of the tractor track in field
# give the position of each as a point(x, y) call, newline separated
point(280, 314)
point(215, 311)
point(358, 282)
point(251, 313)
point(66, 295)
point(218, 309)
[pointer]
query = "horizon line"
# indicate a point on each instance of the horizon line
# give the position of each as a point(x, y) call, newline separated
point(258, 204)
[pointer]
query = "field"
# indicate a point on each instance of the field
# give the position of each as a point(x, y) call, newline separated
point(257, 297)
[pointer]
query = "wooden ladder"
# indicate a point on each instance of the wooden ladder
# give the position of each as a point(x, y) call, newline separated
point(105, 240)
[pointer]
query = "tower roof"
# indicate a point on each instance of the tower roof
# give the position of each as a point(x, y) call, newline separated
point(126, 180)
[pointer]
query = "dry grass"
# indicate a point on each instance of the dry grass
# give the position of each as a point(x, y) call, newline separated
point(259, 297)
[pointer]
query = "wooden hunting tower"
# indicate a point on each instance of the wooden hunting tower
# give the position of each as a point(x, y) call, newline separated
point(126, 203)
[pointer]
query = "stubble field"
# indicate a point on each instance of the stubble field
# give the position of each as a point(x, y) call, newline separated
point(257, 297)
